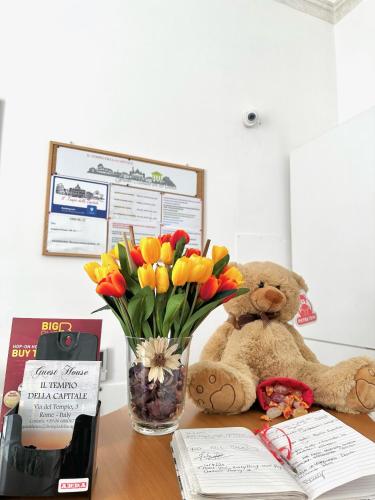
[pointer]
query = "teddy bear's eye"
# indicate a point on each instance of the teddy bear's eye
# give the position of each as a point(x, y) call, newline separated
point(261, 284)
point(278, 287)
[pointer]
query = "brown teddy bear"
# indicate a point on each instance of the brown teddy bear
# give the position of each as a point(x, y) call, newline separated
point(257, 342)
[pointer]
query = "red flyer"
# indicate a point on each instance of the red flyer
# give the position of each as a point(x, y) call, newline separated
point(22, 347)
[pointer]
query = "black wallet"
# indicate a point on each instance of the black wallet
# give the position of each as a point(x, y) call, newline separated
point(72, 346)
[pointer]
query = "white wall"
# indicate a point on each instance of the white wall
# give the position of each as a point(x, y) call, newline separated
point(162, 79)
point(333, 234)
point(355, 53)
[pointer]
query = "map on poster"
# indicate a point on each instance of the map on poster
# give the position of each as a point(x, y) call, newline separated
point(130, 172)
point(77, 197)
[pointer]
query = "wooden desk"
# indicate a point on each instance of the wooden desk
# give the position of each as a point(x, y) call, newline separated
point(136, 467)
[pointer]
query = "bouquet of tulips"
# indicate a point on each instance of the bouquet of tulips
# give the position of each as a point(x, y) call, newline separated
point(161, 288)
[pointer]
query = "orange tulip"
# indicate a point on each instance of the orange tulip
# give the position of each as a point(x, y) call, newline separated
point(113, 285)
point(192, 251)
point(165, 238)
point(177, 235)
point(225, 285)
point(209, 288)
point(136, 255)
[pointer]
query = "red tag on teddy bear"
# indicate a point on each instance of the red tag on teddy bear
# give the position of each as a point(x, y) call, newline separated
point(306, 313)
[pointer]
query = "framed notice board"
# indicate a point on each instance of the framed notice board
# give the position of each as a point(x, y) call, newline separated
point(93, 196)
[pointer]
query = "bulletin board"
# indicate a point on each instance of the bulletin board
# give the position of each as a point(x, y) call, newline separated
point(94, 196)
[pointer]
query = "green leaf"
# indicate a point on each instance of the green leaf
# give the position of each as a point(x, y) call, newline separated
point(149, 303)
point(179, 249)
point(140, 308)
point(219, 266)
point(101, 309)
point(237, 293)
point(136, 312)
point(124, 261)
point(203, 311)
point(173, 306)
point(146, 329)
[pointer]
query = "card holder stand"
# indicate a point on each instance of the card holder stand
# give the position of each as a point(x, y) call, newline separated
point(28, 471)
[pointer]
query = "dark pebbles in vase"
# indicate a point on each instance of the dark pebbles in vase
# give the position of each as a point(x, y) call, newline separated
point(156, 401)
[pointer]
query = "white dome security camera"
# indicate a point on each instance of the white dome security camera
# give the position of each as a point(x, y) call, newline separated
point(251, 118)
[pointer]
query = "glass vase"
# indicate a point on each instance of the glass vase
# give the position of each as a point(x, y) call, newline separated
point(156, 381)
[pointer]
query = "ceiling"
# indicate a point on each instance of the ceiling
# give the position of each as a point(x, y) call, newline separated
point(328, 10)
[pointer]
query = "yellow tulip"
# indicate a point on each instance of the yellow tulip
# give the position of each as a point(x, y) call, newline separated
point(150, 249)
point(146, 276)
point(101, 272)
point(218, 253)
point(90, 269)
point(162, 279)
point(234, 274)
point(166, 253)
point(180, 271)
point(109, 262)
point(201, 269)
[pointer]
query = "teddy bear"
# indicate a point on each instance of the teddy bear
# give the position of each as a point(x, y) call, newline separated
point(257, 342)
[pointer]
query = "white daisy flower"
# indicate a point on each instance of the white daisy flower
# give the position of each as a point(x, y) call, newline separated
point(155, 354)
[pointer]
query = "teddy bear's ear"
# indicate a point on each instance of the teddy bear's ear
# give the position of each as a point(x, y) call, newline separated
point(301, 282)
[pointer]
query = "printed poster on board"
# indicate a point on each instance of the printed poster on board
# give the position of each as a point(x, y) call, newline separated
point(78, 197)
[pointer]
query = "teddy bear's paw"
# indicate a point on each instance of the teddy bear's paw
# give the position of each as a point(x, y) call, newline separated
point(215, 390)
point(362, 396)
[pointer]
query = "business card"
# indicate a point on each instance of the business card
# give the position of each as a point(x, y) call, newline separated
point(53, 394)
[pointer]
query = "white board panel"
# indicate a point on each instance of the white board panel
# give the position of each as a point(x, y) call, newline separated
point(333, 229)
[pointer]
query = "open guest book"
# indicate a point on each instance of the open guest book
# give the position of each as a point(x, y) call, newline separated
point(329, 460)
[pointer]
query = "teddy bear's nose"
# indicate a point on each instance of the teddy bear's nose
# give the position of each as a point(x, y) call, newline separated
point(274, 296)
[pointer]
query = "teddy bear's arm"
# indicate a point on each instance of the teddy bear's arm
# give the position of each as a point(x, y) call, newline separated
point(304, 350)
point(216, 344)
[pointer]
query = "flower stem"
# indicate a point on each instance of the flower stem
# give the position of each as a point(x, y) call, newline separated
point(194, 301)
point(124, 313)
point(183, 309)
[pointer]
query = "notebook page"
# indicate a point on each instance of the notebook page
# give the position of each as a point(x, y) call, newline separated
point(231, 461)
point(326, 452)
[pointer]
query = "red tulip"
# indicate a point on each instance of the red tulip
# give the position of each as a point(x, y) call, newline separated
point(165, 238)
point(113, 285)
point(177, 235)
point(225, 285)
point(209, 288)
point(136, 255)
point(192, 251)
